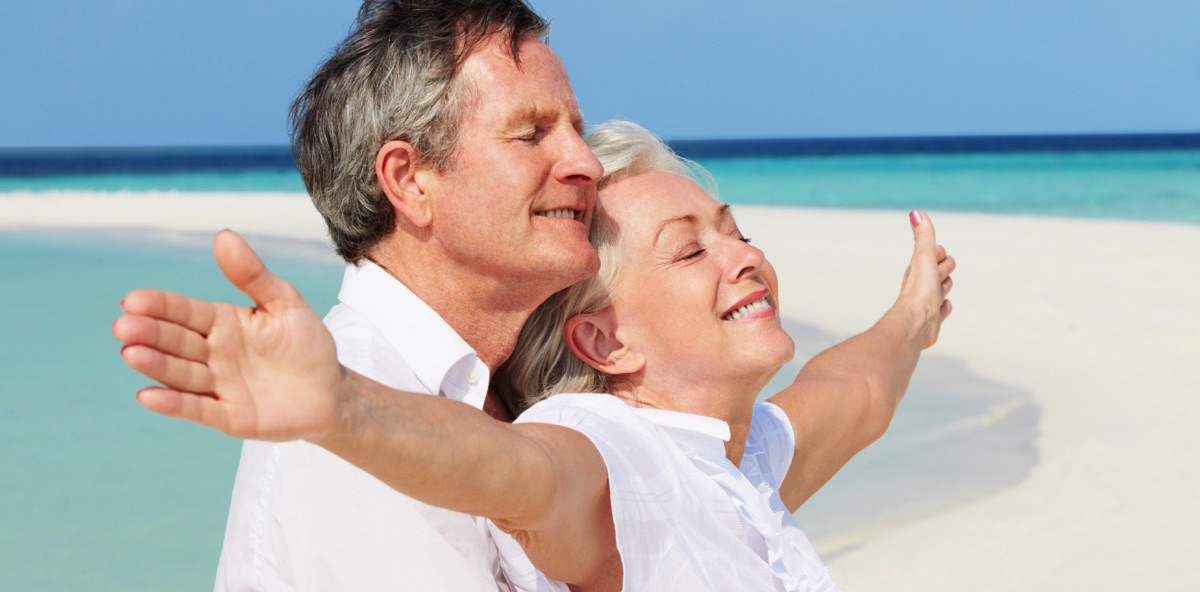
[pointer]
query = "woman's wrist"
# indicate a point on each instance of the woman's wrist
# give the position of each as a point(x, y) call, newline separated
point(915, 322)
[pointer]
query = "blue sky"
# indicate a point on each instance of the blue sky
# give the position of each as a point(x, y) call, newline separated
point(222, 72)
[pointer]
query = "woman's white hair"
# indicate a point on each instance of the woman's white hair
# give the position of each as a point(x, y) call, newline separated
point(541, 365)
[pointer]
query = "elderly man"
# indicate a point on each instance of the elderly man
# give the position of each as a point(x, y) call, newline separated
point(441, 143)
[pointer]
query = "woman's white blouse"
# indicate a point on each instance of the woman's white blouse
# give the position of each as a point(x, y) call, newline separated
point(686, 518)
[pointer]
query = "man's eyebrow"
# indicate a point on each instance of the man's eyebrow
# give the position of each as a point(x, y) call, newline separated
point(533, 113)
point(529, 114)
point(689, 219)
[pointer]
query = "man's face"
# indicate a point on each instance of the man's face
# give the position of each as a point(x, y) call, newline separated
point(516, 205)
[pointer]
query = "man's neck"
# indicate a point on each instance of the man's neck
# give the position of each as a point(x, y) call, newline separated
point(486, 313)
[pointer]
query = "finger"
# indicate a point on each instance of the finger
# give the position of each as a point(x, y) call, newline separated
point(201, 409)
point(946, 309)
point(244, 269)
point(947, 284)
point(196, 315)
point(940, 253)
point(168, 338)
point(924, 238)
point(923, 232)
point(176, 373)
point(946, 266)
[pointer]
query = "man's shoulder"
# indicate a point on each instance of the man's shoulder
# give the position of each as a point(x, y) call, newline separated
point(295, 504)
point(363, 348)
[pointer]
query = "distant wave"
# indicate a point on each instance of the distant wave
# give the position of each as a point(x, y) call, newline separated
point(57, 162)
point(935, 145)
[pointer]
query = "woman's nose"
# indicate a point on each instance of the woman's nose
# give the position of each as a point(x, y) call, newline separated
point(746, 259)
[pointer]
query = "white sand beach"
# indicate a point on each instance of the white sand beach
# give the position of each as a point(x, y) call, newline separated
point(1098, 320)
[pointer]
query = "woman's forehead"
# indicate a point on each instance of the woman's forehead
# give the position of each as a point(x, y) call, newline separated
point(653, 197)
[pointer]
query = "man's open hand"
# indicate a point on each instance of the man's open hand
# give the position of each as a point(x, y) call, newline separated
point(264, 373)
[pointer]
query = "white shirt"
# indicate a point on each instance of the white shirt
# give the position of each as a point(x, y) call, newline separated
point(686, 518)
point(302, 518)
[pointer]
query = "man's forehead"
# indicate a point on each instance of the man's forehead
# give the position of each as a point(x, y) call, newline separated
point(532, 90)
point(493, 57)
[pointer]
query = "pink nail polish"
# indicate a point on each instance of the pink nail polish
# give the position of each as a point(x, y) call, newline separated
point(914, 217)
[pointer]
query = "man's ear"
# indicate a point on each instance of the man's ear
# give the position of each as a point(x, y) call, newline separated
point(399, 177)
point(592, 337)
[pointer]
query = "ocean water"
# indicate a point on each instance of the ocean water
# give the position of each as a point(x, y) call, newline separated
point(1076, 176)
point(97, 494)
point(1162, 186)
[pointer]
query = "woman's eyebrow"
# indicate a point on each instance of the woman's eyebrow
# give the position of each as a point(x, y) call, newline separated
point(725, 218)
point(688, 219)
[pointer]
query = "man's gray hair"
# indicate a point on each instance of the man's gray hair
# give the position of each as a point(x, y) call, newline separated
point(541, 365)
point(394, 77)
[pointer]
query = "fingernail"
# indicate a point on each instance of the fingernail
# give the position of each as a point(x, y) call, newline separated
point(914, 217)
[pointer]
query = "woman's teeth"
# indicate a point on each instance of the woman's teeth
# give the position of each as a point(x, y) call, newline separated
point(558, 214)
point(748, 309)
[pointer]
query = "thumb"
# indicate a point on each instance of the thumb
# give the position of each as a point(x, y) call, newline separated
point(243, 268)
point(923, 233)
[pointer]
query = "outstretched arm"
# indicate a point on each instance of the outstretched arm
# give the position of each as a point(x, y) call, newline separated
point(844, 398)
point(271, 373)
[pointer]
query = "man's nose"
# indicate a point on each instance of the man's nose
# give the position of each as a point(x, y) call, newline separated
point(578, 165)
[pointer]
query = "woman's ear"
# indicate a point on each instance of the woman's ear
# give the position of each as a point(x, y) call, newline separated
point(399, 177)
point(592, 337)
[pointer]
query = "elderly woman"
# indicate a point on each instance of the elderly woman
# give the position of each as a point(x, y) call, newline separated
point(640, 460)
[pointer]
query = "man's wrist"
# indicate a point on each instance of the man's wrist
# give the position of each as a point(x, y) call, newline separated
point(346, 397)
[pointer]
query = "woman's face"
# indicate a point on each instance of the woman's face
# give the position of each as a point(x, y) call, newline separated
point(693, 296)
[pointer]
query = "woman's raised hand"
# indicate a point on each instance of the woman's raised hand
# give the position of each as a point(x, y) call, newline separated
point(927, 280)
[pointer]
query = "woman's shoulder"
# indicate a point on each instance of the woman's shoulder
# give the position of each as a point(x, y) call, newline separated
point(770, 445)
point(589, 413)
point(576, 405)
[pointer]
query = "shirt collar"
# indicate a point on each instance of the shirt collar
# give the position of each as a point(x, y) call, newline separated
point(707, 435)
point(438, 356)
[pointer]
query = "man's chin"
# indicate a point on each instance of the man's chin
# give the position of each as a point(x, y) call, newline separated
point(574, 267)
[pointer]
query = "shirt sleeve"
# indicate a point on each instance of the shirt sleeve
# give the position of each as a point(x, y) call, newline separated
point(771, 443)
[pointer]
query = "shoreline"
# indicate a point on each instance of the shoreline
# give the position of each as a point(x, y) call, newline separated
point(1097, 320)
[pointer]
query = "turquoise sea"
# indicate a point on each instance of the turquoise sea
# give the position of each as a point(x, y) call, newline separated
point(97, 494)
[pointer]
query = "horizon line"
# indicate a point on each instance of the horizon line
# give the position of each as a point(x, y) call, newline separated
point(1182, 135)
point(53, 161)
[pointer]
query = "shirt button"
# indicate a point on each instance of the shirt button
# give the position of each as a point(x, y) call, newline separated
point(473, 375)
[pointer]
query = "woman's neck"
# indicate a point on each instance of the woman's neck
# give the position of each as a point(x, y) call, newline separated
point(733, 404)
